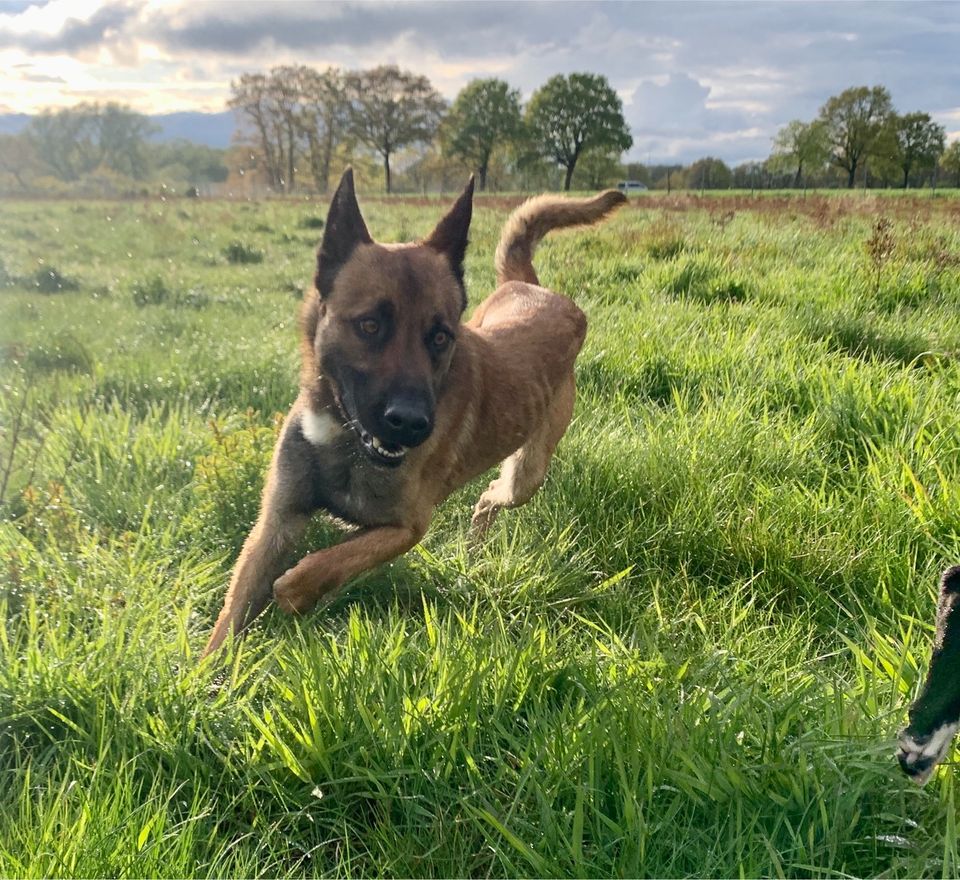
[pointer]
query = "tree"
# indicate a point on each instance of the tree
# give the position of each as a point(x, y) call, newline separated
point(324, 119)
point(800, 144)
point(252, 99)
point(751, 175)
point(917, 142)
point(637, 171)
point(18, 158)
point(709, 173)
point(392, 108)
point(853, 121)
point(187, 162)
point(950, 162)
point(571, 114)
point(485, 113)
point(284, 94)
point(78, 140)
point(598, 170)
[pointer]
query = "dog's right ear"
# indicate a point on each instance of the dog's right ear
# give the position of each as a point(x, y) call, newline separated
point(344, 230)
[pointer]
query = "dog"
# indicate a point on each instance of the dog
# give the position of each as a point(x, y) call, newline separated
point(935, 715)
point(401, 403)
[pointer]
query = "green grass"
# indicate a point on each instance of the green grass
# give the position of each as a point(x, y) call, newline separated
point(688, 655)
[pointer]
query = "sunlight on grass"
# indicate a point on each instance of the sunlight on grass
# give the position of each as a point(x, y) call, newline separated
point(687, 656)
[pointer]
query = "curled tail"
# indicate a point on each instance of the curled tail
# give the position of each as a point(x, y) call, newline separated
point(534, 219)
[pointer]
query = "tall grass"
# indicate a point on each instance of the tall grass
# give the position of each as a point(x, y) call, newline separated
point(688, 655)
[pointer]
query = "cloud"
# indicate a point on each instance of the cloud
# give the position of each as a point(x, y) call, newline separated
point(74, 34)
point(447, 29)
point(41, 78)
point(695, 77)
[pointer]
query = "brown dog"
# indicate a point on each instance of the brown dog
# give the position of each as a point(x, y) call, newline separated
point(400, 404)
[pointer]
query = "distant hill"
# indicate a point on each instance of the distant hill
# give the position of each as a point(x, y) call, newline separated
point(209, 129)
point(13, 123)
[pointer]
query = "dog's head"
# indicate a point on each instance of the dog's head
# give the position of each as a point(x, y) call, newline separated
point(384, 322)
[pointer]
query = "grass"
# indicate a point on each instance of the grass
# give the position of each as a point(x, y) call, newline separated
point(687, 656)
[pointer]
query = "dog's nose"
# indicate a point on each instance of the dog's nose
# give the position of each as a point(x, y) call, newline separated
point(408, 420)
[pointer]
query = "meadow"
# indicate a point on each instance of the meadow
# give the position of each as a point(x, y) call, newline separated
point(689, 655)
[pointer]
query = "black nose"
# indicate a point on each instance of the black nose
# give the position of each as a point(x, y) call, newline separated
point(408, 419)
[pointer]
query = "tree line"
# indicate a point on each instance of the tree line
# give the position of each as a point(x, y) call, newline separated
point(297, 117)
point(101, 149)
point(858, 132)
point(298, 127)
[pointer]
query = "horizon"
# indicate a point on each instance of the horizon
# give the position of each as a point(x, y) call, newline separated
point(679, 69)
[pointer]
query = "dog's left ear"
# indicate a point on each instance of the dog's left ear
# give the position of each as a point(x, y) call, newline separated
point(450, 236)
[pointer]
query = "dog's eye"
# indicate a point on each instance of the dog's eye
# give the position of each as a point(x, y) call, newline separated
point(369, 326)
point(440, 340)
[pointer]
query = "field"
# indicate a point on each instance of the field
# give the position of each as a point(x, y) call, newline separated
point(689, 655)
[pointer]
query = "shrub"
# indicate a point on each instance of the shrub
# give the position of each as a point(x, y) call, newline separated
point(154, 292)
point(228, 478)
point(311, 222)
point(48, 280)
point(150, 292)
point(238, 252)
point(194, 298)
point(62, 351)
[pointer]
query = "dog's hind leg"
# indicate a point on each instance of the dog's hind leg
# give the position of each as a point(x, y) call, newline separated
point(524, 472)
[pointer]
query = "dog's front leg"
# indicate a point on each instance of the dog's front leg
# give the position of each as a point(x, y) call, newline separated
point(322, 573)
point(264, 556)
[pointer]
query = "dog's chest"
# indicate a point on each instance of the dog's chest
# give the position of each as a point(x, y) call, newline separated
point(337, 477)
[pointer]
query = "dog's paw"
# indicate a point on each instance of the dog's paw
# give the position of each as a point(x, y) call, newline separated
point(292, 595)
point(483, 516)
point(918, 756)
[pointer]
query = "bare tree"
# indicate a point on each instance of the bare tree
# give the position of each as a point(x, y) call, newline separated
point(324, 118)
point(392, 108)
point(285, 103)
point(251, 98)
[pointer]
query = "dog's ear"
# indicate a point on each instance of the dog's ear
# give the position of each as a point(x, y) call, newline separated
point(344, 230)
point(450, 236)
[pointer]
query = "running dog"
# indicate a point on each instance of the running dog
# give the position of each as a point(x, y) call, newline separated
point(401, 404)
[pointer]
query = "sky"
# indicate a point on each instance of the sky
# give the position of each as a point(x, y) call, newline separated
point(696, 78)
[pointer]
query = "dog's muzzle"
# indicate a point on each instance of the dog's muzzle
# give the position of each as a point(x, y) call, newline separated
point(407, 421)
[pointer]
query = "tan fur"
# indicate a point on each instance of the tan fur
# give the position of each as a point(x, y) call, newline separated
point(534, 219)
point(505, 393)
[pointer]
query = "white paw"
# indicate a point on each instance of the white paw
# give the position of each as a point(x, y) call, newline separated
point(918, 756)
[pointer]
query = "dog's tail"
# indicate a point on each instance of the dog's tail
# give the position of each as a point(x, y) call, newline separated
point(534, 219)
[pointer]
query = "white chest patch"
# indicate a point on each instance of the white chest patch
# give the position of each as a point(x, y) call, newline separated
point(320, 428)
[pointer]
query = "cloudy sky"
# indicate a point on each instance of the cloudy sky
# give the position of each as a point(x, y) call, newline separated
point(696, 78)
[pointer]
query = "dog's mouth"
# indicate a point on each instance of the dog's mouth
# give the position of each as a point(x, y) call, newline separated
point(390, 454)
point(379, 451)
